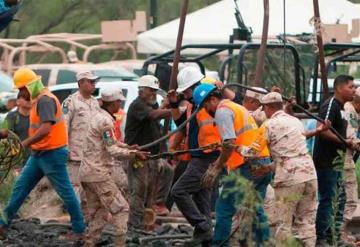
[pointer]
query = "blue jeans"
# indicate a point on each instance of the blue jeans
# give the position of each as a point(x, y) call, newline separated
point(51, 164)
point(226, 207)
point(331, 194)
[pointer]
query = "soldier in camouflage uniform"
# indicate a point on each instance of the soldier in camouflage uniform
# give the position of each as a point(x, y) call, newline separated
point(100, 149)
point(295, 181)
point(78, 109)
point(352, 110)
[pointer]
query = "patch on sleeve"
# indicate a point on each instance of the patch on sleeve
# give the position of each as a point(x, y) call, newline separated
point(65, 107)
point(109, 137)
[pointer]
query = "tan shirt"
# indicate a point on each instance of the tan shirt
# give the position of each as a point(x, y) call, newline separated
point(78, 112)
point(287, 144)
point(353, 119)
point(100, 149)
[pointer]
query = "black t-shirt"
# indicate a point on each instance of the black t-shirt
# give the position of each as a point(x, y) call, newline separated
point(326, 151)
point(140, 129)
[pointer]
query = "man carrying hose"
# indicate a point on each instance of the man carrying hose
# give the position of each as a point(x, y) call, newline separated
point(100, 149)
point(329, 164)
point(47, 140)
point(236, 127)
point(192, 199)
point(143, 127)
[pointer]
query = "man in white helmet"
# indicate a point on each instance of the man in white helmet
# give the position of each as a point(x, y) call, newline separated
point(190, 197)
point(143, 127)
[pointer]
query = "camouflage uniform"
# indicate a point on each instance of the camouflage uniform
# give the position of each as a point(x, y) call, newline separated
point(269, 201)
point(78, 112)
point(295, 180)
point(350, 183)
point(103, 196)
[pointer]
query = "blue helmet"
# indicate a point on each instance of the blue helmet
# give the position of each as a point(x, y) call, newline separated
point(201, 92)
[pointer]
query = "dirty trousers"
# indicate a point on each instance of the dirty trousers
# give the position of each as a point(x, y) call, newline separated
point(141, 188)
point(191, 198)
point(51, 164)
point(296, 212)
point(104, 198)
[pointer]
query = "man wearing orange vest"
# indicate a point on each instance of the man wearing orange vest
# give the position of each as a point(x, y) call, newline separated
point(191, 199)
point(47, 140)
point(237, 128)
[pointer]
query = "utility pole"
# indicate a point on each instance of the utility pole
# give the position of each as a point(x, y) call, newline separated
point(262, 51)
point(153, 14)
point(320, 45)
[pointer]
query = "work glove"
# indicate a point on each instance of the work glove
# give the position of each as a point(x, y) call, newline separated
point(210, 176)
point(249, 151)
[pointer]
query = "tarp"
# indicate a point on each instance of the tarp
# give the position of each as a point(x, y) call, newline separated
point(215, 23)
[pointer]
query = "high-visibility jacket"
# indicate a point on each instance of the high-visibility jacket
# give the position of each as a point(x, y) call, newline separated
point(58, 134)
point(246, 132)
point(119, 117)
point(208, 132)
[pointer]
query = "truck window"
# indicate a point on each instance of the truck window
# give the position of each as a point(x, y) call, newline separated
point(45, 74)
point(65, 76)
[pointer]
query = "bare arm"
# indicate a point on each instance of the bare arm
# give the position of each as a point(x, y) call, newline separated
point(40, 134)
point(159, 114)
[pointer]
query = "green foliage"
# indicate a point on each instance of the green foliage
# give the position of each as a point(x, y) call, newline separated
point(6, 188)
point(84, 16)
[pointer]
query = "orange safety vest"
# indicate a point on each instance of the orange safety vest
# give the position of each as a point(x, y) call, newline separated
point(246, 133)
point(58, 134)
point(119, 117)
point(208, 132)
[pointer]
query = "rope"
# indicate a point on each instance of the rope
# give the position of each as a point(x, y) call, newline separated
point(165, 137)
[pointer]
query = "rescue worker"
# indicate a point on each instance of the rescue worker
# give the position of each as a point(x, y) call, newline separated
point(352, 110)
point(48, 141)
point(236, 127)
point(191, 199)
point(143, 127)
point(326, 157)
point(295, 181)
point(78, 109)
point(100, 149)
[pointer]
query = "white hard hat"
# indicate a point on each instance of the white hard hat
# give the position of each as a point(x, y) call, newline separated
point(255, 95)
point(272, 97)
point(149, 81)
point(188, 77)
point(110, 95)
point(86, 75)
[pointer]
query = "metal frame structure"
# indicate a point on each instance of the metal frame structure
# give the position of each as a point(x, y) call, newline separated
point(213, 49)
point(48, 43)
point(334, 53)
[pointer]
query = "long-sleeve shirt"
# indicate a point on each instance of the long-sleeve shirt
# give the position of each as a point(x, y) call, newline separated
point(78, 111)
point(101, 148)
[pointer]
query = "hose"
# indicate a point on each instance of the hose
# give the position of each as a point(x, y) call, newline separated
point(165, 137)
point(341, 138)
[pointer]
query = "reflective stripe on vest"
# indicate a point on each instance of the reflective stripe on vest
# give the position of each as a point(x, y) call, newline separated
point(57, 136)
point(208, 132)
point(246, 131)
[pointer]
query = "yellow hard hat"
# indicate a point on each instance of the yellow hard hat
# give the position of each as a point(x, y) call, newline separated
point(24, 76)
point(208, 80)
